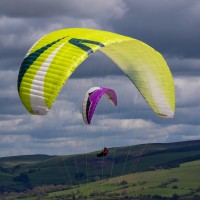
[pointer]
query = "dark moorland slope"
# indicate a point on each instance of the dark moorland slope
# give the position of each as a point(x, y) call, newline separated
point(19, 173)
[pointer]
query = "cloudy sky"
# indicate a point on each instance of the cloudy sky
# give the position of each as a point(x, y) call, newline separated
point(170, 26)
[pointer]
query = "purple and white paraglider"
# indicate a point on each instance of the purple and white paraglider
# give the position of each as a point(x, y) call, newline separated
point(92, 97)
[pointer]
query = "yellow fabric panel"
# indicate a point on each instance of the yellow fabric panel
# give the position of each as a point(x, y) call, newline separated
point(55, 56)
point(69, 56)
point(149, 72)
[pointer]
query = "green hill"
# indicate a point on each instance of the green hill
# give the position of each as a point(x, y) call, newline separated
point(25, 172)
point(181, 183)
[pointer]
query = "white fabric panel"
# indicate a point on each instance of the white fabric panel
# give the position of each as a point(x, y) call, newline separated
point(38, 96)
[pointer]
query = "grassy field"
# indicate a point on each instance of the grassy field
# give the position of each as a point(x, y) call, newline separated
point(177, 183)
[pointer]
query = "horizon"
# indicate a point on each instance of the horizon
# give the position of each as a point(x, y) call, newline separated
point(118, 147)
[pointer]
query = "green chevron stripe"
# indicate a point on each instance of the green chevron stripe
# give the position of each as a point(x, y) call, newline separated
point(28, 61)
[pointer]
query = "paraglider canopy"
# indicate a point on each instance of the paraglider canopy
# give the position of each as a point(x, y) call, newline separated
point(92, 97)
point(54, 57)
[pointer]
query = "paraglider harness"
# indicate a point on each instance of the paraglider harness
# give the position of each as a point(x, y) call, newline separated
point(103, 153)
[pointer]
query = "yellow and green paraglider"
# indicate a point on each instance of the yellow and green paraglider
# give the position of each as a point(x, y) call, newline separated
point(52, 59)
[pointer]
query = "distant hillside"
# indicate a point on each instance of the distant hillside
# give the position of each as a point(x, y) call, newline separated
point(19, 173)
point(13, 160)
point(182, 183)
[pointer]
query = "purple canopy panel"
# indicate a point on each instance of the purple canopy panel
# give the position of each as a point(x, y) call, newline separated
point(94, 98)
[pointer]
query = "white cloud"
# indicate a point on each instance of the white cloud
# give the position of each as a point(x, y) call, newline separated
point(10, 125)
point(187, 91)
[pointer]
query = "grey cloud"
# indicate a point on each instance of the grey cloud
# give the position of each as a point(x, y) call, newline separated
point(171, 27)
point(11, 62)
point(50, 8)
point(11, 106)
point(17, 37)
point(184, 66)
point(97, 65)
point(184, 132)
